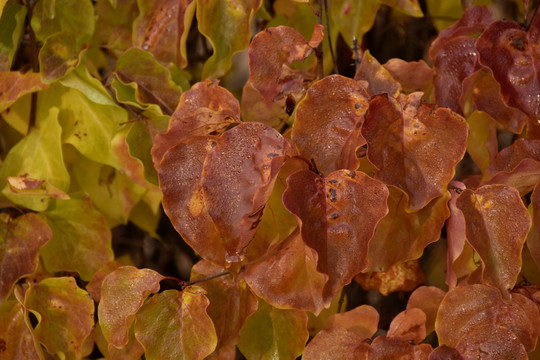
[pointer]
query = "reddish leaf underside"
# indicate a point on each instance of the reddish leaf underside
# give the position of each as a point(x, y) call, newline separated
point(328, 121)
point(499, 247)
point(414, 145)
point(337, 217)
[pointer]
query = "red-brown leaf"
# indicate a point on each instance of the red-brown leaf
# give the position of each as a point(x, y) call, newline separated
point(378, 77)
point(491, 342)
point(403, 276)
point(499, 247)
point(533, 238)
point(409, 325)
point(414, 146)
point(455, 233)
point(428, 299)
point(412, 76)
point(328, 121)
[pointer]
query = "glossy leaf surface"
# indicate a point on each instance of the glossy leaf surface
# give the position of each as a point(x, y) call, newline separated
point(325, 208)
point(401, 135)
point(175, 325)
point(65, 314)
point(327, 123)
point(498, 247)
point(122, 294)
point(21, 240)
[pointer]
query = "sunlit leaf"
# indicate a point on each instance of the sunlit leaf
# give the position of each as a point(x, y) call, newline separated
point(91, 87)
point(21, 239)
point(162, 28)
point(227, 26)
point(16, 338)
point(297, 284)
point(65, 315)
point(16, 84)
point(428, 299)
point(231, 302)
point(37, 156)
point(412, 76)
point(175, 325)
point(154, 81)
point(465, 309)
point(122, 294)
point(409, 325)
point(12, 19)
point(25, 185)
point(378, 78)
point(402, 276)
point(499, 247)
point(94, 285)
point(272, 333)
point(414, 145)
point(205, 109)
point(402, 235)
point(81, 239)
point(327, 123)
point(337, 215)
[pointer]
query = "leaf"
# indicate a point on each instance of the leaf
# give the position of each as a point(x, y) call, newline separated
point(499, 247)
point(162, 28)
point(394, 348)
point(231, 303)
point(272, 333)
point(227, 26)
point(154, 82)
point(491, 342)
point(327, 123)
point(482, 139)
point(94, 285)
point(21, 239)
point(81, 79)
point(122, 294)
point(16, 338)
point(12, 15)
point(409, 325)
point(59, 56)
point(132, 351)
point(81, 239)
point(408, 7)
point(325, 209)
point(402, 235)
point(403, 276)
point(533, 238)
point(65, 315)
point(413, 145)
point(16, 84)
point(427, 299)
point(205, 109)
point(412, 76)
point(378, 78)
point(175, 325)
point(25, 185)
point(295, 283)
point(466, 309)
point(353, 19)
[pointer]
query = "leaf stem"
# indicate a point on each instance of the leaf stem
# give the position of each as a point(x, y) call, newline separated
point(35, 62)
point(185, 284)
point(319, 50)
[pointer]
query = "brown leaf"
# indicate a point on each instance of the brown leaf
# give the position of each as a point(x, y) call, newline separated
point(378, 77)
point(383, 348)
point(533, 238)
point(328, 121)
point(499, 247)
point(337, 343)
point(16, 84)
point(362, 320)
point(491, 342)
point(337, 217)
point(455, 233)
point(403, 276)
point(412, 76)
point(428, 299)
point(20, 242)
point(409, 325)
point(413, 145)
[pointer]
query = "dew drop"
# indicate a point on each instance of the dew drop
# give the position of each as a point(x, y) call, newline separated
point(145, 47)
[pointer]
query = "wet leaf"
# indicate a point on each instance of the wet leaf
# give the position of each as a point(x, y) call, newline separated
point(154, 82)
point(227, 26)
point(383, 348)
point(122, 294)
point(175, 325)
point(337, 343)
point(65, 315)
point(412, 76)
point(325, 209)
point(12, 17)
point(491, 342)
point(402, 276)
point(427, 299)
point(409, 325)
point(414, 146)
point(21, 239)
point(402, 235)
point(499, 247)
point(16, 84)
point(466, 309)
point(288, 278)
point(81, 239)
point(327, 123)
point(378, 78)
point(16, 338)
point(272, 333)
point(162, 28)
point(362, 320)
point(205, 109)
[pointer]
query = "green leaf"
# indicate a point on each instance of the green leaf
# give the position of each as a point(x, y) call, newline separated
point(227, 25)
point(65, 315)
point(20, 242)
point(16, 84)
point(175, 325)
point(127, 94)
point(482, 139)
point(353, 18)
point(81, 239)
point(12, 15)
point(16, 338)
point(91, 87)
point(39, 156)
point(122, 294)
point(272, 333)
point(153, 80)
point(408, 7)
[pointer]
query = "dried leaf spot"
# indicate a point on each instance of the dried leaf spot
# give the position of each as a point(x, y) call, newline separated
point(350, 174)
point(519, 43)
point(334, 216)
point(272, 155)
point(357, 106)
point(333, 195)
point(333, 182)
point(213, 144)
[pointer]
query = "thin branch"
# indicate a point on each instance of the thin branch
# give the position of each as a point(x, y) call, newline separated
point(326, 11)
point(35, 62)
point(341, 301)
point(356, 54)
point(319, 50)
point(185, 284)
